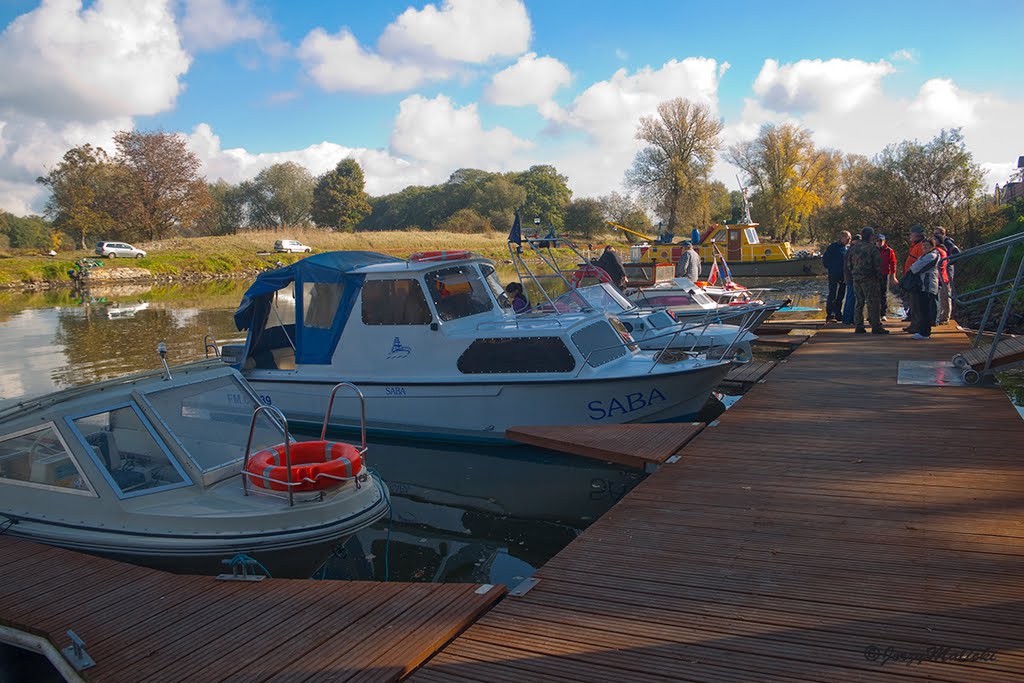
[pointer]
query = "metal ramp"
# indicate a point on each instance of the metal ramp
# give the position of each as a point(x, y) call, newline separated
point(999, 351)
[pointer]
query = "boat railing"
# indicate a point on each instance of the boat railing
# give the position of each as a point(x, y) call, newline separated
point(210, 344)
point(362, 413)
point(283, 425)
point(1002, 287)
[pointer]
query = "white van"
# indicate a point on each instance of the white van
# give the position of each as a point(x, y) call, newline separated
point(291, 246)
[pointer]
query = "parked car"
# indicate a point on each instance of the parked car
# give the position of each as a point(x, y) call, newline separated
point(118, 249)
point(291, 246)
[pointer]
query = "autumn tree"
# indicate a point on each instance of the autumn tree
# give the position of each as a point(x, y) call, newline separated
point(164, 192)
point(672, 172)
point(339, 198)
point(790, 176)
point(86, 191)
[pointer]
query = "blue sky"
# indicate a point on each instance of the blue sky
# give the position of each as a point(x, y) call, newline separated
point(414, 91)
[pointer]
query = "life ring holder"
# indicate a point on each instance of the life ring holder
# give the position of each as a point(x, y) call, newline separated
point(358, 473)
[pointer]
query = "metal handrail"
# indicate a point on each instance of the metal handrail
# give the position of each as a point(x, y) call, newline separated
point(1001, 286)
point(210, 342)
point(362, 412)
point(287, 449)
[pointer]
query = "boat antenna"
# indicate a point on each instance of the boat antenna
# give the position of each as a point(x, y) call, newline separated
point(746, 203)
point(161, 348)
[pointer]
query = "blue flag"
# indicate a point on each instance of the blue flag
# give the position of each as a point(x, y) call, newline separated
point(515, 235)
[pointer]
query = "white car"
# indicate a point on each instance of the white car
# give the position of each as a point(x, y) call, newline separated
point(291, 246)
point(118, 249)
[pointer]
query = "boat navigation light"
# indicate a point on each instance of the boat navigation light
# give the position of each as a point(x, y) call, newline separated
point(161, 348)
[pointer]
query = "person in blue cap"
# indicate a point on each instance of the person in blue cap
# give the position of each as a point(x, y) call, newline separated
point(688, 265)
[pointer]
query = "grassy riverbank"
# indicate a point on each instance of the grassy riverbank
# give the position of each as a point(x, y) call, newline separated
point(241, 254)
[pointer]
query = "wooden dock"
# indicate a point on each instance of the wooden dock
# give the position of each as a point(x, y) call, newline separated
point(633, 445)
point(834, 526)
point(144, 625)
point(749, 373)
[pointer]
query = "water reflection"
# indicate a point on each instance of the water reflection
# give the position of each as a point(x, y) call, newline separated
point(477, 515)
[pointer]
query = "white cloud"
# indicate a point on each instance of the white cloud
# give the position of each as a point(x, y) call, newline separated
point(531, 80)
point(621, 54)
point(940, 102)
point(813, 84)
point(116, 58)
point(31, 146)
point(904, 55)
point(868, 119)
point(337, 62)
point(460, 31)
point(436, 132)
point(384, 173)
point(608, 113)
point(211, 24)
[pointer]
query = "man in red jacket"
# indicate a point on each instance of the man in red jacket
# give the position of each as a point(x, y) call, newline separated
point(888, 272)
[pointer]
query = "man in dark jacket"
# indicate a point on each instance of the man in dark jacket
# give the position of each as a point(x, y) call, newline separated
point(610, 263)
point(864, 262)
point(946, 288)
point(833, 259)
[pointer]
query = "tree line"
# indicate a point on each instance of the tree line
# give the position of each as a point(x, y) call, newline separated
point(150, 188)
point(804, 193)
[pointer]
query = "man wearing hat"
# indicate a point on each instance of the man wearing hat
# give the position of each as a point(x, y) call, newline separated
point(689, 262)
point(888, 272)
point(864, 263)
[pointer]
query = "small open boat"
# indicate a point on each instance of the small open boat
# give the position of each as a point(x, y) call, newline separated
point(149, 469)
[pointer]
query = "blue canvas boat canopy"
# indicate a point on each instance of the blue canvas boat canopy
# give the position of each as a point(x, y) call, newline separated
point(326, 289)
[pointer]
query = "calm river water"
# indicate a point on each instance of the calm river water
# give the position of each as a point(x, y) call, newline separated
point(472, 514)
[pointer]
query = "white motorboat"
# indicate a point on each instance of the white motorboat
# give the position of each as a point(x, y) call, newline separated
point(433, 344)
point(148, 469)
point(688, 301)
point(658, 329)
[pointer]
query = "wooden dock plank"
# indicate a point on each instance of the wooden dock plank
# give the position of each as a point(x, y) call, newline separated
point(750, 373)
point(634, 445)
point(829, 511)
point(141, 624)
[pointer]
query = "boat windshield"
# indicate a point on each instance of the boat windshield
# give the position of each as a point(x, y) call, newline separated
point(494, 282)
point(605, 297)
point(210, 420)
point(128, 452)
point(458, 292)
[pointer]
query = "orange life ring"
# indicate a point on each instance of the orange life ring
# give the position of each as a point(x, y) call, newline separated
point(589, 271)
point(440, 255)
point(316, 465)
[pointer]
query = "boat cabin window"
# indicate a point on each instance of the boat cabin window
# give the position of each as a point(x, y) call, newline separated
point(600, 343)
point(458, 292)
point(273, 347)
point(128, 452)
point(494, 283)
point(395, 302)
point(320, 302)
point(210, 420)
point(41, 457)
point(751, 235)
point(516, 355)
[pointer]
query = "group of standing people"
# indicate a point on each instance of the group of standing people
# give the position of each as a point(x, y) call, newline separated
point(862, 269)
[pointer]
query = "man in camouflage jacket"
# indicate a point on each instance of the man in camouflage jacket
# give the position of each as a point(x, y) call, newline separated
point(864, 262)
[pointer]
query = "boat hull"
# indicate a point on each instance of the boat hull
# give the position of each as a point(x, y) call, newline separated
point(482, 411)
point(800, 267)
point(284, 553)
